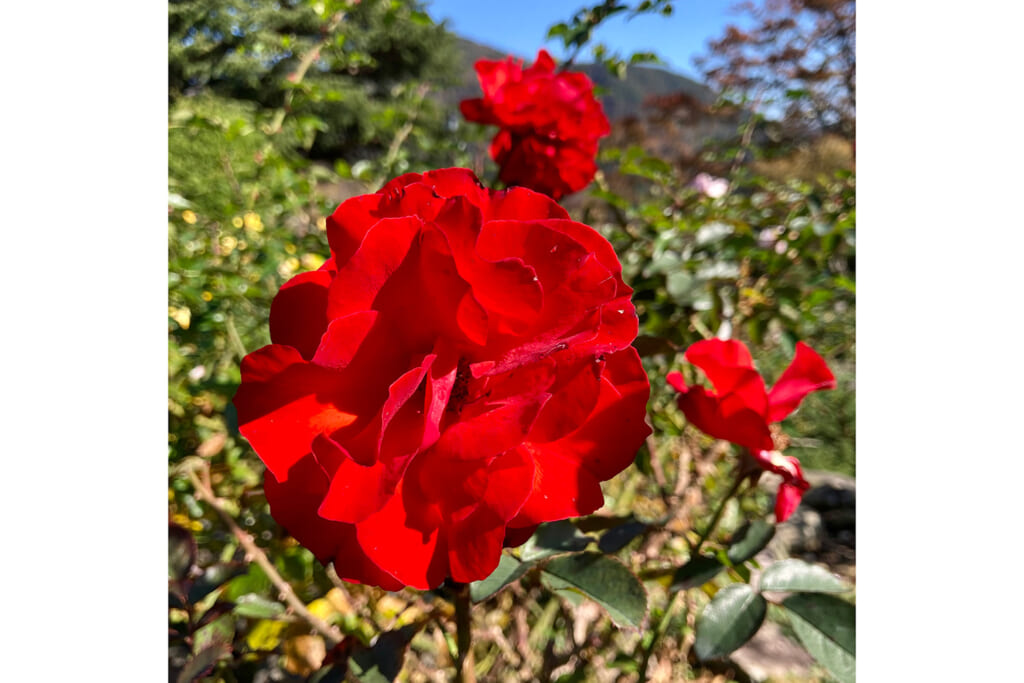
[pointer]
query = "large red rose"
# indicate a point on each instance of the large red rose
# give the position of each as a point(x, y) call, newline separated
point(550, 123)
point(742, 411)
point(457, 372)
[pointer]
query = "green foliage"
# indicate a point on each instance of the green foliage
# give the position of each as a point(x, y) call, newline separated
point(769, 263)
point(696, 572)
point(796, 575)
point(508, 570)
point(602, 579)
point(826, 626)
point(730, 619)
point(750, 540)
point(348, 74)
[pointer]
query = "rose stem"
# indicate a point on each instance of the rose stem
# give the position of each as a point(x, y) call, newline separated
point(464, 672)
point(673, 604)
point(330, 633)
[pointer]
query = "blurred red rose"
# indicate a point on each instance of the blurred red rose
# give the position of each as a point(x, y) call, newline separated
point(550, 123)
point(740, 409)
point(457, 372)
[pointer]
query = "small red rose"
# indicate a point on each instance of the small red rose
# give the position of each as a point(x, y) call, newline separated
point(741, 410)
point(456, 373)
point(550, 123)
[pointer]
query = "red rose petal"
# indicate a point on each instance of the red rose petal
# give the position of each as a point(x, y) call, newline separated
point(474, 545)
point(516, 536)
point(405, 541)
point(381, 253)
point(298, 314)
point(350, 222)
point(573, 398)
point(740, 425)
point(507, 288)
point(293, 504)
point(284, 402)
point(607, 442)
point(477, 110)
point(561, 488)
point(729, 367)
point(520, 203)
point(808, 372)
point(343, 338)
point(493, 432)
point(494, 74)
point(457, 182)
point(787, 499)
point(543, 63)
point(356, 491)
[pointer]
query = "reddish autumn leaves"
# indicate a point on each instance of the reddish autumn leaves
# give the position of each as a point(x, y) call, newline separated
point(456, 373)
point(741, 410)
point(549, 121)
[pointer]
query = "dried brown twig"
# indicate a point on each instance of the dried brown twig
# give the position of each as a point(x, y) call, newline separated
point(253, 553)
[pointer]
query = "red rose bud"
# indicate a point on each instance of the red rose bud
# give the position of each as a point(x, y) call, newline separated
point(741, 410)
point(457, 372)
point(549, 123)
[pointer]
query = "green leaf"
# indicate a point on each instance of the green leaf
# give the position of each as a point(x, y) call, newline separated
point(602, 579)
point(614, 540)
point(213, 578)
point(181, 552)
point(796, 575)
point(750, 540)
point(258, 607)
point(382, 662)
point(554, 538)
point(698, 571)
point(827, 627)
point(220, 630)
point(509, 569)
point(729, 620)
point(202, 663)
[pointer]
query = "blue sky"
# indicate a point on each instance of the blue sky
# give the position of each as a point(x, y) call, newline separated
point(519, 27)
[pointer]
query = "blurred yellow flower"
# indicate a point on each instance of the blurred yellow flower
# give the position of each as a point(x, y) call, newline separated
point(312, 261)
point(228, 243)
point(266, 634)
point(288, 267)
point(237, 221)
point(181, 315)
point(290, 248)
point(253, 221)
point(188, 216)
point(321, 223)
point(185, 521)
point(390, 606)
point(206, 296)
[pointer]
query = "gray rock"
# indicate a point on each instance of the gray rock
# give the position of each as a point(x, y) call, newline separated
point(770, 654)
point(830, 491)
point(803, 532)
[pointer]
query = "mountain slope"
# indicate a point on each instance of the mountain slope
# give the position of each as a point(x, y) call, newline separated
point(621, 98)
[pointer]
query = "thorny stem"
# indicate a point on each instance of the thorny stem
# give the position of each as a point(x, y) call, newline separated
point(718, 515)
point(464, 667)
point(203, 490)
point(748, 134)
point(300, 71)
point(673, 604)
